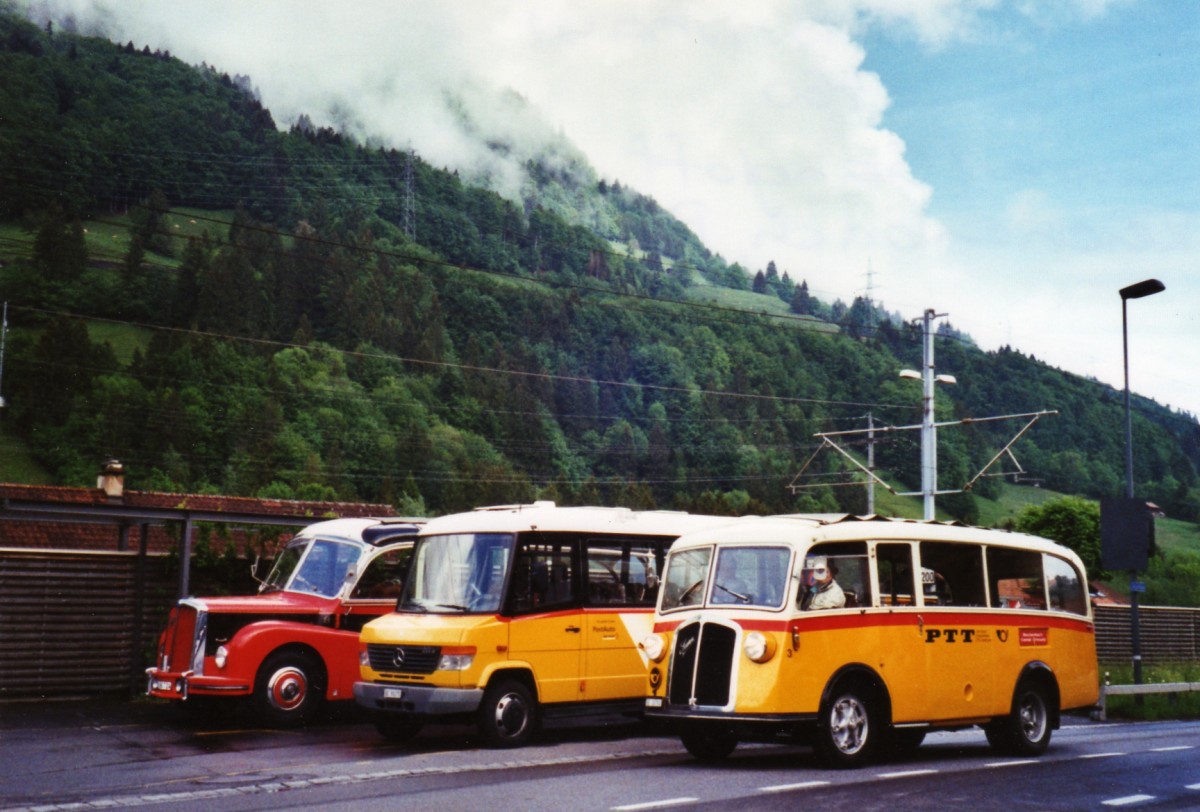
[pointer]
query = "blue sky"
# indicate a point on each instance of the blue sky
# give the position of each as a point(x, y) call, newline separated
point(1063, 154)
point(1012, 163)
point(1102, 112)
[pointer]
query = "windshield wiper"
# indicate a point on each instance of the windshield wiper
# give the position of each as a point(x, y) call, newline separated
point(454, 606)
point(738, 595)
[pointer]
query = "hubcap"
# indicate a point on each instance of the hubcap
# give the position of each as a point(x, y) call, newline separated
point(511, 715)
point(1033, 718)
point(848, 725)
point(287, 688)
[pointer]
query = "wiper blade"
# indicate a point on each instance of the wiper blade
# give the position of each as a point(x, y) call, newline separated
point(738, 595)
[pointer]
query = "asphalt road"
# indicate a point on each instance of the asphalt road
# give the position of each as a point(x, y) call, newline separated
point(83, 756)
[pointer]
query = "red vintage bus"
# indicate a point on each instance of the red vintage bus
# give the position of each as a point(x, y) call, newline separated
point(294, 645)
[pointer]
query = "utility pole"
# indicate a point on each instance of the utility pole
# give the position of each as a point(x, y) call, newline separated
point(3, 335)
point(928, 426)
point(870, 463)
point(410, 224)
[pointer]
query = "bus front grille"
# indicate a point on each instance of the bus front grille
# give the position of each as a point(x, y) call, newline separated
point(701, 665)
point(404, 659)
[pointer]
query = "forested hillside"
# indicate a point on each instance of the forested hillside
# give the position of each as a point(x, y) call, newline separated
point(227, 306)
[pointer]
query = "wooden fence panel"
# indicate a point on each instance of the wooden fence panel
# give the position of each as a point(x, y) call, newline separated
point(73, 622)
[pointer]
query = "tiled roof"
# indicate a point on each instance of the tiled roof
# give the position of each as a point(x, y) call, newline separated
point(105, 535)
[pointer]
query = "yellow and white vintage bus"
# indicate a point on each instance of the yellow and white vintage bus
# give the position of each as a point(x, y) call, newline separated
point(857, 635)
point(511, 614)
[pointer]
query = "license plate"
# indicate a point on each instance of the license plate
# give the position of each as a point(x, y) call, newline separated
point(162, 685)
point(393, 693)
point(654, 702)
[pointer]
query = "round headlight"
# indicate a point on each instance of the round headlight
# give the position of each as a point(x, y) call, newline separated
point(221, 656)
point(758, 647)
point(654, 647)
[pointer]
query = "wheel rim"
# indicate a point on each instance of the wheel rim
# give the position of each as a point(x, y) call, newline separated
point(512, 715)
point(848, 725)
point(287, 689)
point(1033, 717)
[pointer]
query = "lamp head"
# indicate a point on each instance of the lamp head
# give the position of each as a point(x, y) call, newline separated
point(910, 373)
point(1145, 288)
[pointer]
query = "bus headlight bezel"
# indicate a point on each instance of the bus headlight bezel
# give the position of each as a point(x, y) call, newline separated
point(758, 647)
point(654, 646)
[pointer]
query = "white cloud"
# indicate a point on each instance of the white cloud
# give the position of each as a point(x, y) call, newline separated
point(755, 123)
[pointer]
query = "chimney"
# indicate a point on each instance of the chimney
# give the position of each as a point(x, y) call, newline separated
point(112, 479)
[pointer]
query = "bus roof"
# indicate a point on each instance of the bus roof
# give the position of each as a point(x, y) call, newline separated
point(549, 517)
point(812, 528)
point(368, 529)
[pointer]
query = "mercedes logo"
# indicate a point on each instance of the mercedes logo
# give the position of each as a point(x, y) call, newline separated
point(398, 657)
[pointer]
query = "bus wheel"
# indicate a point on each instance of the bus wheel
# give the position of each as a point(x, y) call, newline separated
point(508, 714)
point(849, 727)
point(397, 728)
point(1026, 730)
point(290, 688)
point(709, 744)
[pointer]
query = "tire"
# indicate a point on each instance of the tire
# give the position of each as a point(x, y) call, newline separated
point(290, 688)
point(508, 714)
point(1027, 728)
point(397, 728)
point(709, 744)
point(851, 726)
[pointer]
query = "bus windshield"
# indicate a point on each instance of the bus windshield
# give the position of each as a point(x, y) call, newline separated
point(462, 572)
point(745, 576)
point(313, 566)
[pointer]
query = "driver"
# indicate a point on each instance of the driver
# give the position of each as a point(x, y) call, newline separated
point(821, 591)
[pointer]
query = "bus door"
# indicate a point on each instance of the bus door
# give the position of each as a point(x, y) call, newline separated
point(622, 588)
point(547, 626)
point(901, 633)
point(957, 633)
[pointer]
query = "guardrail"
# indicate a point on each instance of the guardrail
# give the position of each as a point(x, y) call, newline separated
point(1099, 712)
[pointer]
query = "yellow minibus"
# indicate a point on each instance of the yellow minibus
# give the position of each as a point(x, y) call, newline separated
point(514, 614)
point(861, 634)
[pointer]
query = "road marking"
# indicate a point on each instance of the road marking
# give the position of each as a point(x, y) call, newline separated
point(1103, 755)
point(1128, 799)
point(790, 787)
point(270, 787)
point(655, 804)
point(1192, 786)
point(1172, 749)
point(1017, 762)
point(906, 773)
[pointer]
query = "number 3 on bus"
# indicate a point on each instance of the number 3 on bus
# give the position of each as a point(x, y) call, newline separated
point(860, 635)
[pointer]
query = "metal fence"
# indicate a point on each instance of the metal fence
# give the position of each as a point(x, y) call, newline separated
point(1167, 634)
point(78, 623)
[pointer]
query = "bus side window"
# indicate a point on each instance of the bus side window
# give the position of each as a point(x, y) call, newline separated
point(1015, 579)
point(1067, 593)
point(894, 562)
point(542, 577)
point(958, 573)
point(622, 572)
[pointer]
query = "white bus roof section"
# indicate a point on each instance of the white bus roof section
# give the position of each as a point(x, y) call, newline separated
point(546, 516)
point(351, 528)
point(811, 528)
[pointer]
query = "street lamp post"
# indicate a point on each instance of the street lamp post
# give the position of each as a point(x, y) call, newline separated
point(1147, 287)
